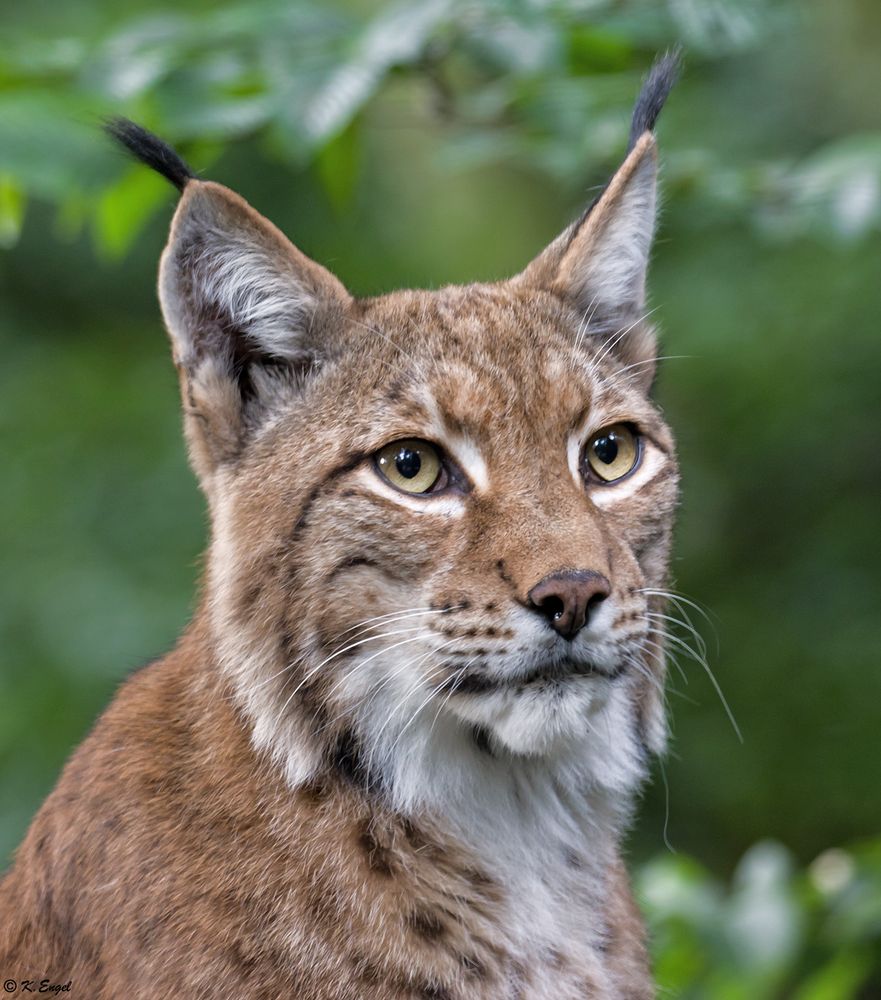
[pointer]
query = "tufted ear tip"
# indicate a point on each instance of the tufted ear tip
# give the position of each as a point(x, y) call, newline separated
point(600, 263)
point(653, 96)
point(150, 150)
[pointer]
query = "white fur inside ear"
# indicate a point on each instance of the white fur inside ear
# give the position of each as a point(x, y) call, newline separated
point(231, 283)
point(260, 297)
point(604, 268)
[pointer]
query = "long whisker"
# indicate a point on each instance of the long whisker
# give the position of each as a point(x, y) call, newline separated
point(407, 666)
point(400, 703)
point(667, 843)
point(644, 671)
point(674, 595)
point(616, 377)
point(679, 600)
point(361, 663)
point(314, 670)
point(698, 638)
point(666, 654)
point(703, 663)
point(434, 360)
point(653, 360)
point(303, 657)
point(586, 320)
point(388, 619)
point(356, 668)
point(451, 692)
point(373, 692)
point(388, 614)
point(431, 694)
point(396, 616)
point(614, 339)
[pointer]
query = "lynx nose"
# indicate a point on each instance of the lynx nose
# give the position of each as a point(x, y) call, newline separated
point(566, 598)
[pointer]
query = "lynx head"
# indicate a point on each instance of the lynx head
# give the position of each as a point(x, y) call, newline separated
point(439, 519)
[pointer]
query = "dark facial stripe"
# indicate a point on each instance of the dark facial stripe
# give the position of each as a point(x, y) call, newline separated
point(475, 683)
point(346, 758)
point(351, 462)
point(481, 738)
point(374, 498)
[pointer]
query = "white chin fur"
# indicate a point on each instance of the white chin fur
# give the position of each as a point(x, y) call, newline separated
point(540, 719)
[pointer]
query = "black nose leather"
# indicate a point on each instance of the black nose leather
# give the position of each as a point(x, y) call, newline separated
point(566, 598)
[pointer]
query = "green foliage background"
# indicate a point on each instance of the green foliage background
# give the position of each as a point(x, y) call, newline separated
point(444, 140)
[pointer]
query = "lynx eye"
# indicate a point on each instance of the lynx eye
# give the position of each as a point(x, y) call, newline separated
point(612, 453)
point(411, 466)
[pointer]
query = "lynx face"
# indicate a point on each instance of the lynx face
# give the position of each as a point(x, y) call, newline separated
point(504, 587)
point(440, 519)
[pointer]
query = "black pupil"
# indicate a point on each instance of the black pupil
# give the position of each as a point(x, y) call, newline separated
point(606, 449)
point(408, 463)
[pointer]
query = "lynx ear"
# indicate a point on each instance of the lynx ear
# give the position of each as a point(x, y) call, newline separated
point(233, 287)
point(603, 267)
point(599, 263)
point(247, 312)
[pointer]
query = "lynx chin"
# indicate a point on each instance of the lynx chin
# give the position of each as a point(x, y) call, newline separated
point(395, 752)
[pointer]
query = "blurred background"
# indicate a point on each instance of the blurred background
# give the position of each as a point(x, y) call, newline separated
point(429, 142)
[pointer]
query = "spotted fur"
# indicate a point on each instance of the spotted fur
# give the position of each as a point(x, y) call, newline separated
point(371, 769)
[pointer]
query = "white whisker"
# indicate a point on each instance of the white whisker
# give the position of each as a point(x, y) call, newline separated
point(615, 338)
point(451, 692)
point(388, 619)
point(586, 320)
point(400, 703)
point(680, 599)
point(314, 670)
point(698, 638)
point(693, 653)
point(373, 692)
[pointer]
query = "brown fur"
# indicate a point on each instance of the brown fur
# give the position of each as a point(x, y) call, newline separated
point(172, 861)
point(234, 825)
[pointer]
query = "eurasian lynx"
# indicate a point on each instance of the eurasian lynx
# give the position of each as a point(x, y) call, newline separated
point(395, 752)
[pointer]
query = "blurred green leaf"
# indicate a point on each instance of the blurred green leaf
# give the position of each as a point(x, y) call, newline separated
point(337, 164)
point(763, 923)
point(396, 36)
point(124, 209)
point(839, 979)
point(546, 86)
point(716, 26)
point(139, 57)
point(50, 143)
point(835, 191)
point(12, 206)
point(764, 938)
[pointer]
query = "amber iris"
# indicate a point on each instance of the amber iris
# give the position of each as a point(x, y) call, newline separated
point(612, 453)
point(410, 465)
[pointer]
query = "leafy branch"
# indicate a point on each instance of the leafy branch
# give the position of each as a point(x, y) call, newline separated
point(541, 83)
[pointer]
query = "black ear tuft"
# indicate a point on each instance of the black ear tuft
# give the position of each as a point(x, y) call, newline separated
point(654, 93)
point(149, 149)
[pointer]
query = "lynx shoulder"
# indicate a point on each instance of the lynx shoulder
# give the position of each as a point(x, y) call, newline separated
point(396, 750)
